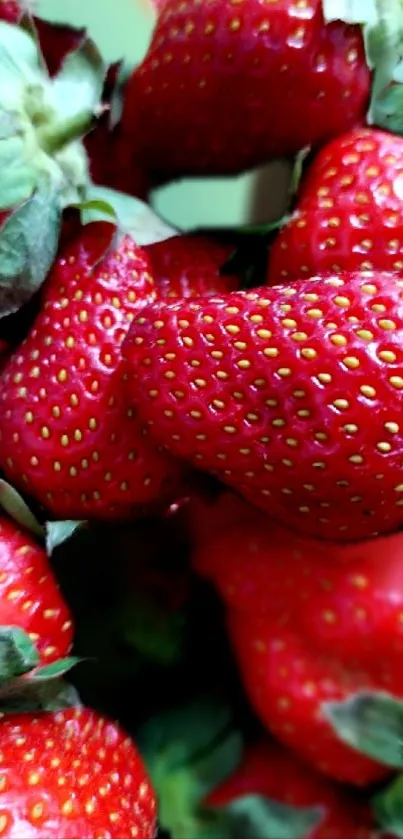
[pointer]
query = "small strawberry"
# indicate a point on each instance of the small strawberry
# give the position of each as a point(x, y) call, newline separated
point(67, 437)
point(349, 214)
point(190, 266)
point(225, 88)
point(10, 10)
point(327, 628)
point(271, 772)
point(72, 774)
point(291, 395)
point(29, 596)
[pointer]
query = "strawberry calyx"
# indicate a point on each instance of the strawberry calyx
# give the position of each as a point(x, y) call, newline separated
point(370, 722)
point(387, 807)
point(44, 164)
point(188, 751)
point(382, 27)
point(259, 817)
point(133, 216)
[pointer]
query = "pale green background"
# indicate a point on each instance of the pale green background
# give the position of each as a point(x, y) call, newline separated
point(122, 28)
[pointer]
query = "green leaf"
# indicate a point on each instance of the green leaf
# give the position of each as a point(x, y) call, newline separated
point(351, 11)
point(134, 216)
point(28, 697)
point(18, 510)
point(384, 43)
point(157, 634)
point(79, 84)
point(55, 670)
point(20, 63)
point(372, 723)
point(96, 207)
point(387, 807)
point(256, 817)
point(28, 246)
point(58, 532)
point(17, 653)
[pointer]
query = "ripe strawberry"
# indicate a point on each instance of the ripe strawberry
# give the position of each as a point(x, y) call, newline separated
point(350, 210)
point(222, 89)
point(329, 626)
point(29, 596)
point(72, 774)
point(189, 266)
point(66, 435)
point(290, 395)
point(10, 10)
point(270, 771)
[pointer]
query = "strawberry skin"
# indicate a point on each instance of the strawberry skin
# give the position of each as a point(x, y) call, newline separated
point(291, 395)
point(189, 266)
point(225, 88)
point(349, 214)
point(29, 595)
point(10, 10)
point(330, 626)
point(67, 437)
point(72, 774)
point(269, 770)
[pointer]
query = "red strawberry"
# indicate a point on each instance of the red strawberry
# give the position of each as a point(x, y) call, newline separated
point(10, 10)
point(189, 266)
point(29, 596)
point(72, 774)
point(291, 395)
point(273, 772)
point(224, 88)
point(310, 623)
point(67, 437)
point(350, 210)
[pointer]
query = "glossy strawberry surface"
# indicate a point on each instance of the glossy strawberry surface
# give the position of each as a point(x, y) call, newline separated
point(66, 434)
point(224, 87)
point(72, 774)
point(29, 596)
point(291, 395)
point(190, 266)
point(349, 213)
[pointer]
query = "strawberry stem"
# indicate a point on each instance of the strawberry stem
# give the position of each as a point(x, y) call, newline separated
point(53, 138)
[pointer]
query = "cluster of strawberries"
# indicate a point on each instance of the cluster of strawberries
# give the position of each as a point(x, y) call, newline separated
point(143, 379)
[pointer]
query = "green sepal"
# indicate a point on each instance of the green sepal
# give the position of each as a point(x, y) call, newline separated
point(18, 654)
point(15, 506)
point(28, 246)
point(387, 807)
point(350, 11)
point(58, 532)
point(188, 752)
point(79, 84)
point(54, 670)
point(53, 695)
point(257, 817)
point(371, 723)
point(133, 216)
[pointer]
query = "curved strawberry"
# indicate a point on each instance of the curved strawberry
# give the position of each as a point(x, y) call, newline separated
point(291, 395)
point(222, 89)
point(349, 214)
point(270, 771)
point(310, 622)
point(66, 434)
point(189, 266)
point(29, 596)
point(73, 773)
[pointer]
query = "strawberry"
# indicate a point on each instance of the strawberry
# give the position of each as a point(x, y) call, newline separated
point(66, 435)
point(10, 10)
point(72, 774)
point(222, 89)
point(349, 214)
point(29, 596)
point(190, 266)
point(327, 628)
point(291, 395)
point(270, 771)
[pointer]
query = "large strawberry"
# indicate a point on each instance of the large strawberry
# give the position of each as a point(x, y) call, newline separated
point(29, 597)
point(310, 623)
point(291, 395)
point(276, 776)
point(66, 434)
point(349, 214)
point(223, 87)
point(72, 774)
point(190, 266)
